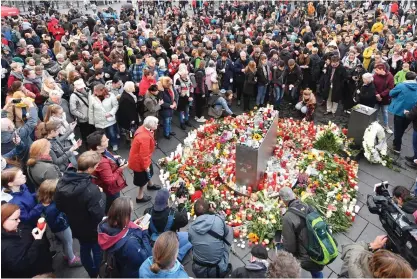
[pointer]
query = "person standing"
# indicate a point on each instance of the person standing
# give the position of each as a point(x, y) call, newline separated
point(140, 158)
point(411, 160)
point(81, 201)
point(384, 82)
point(263, 75)
point(404, 98)
point(249, 84)
point(224, 68)
point(294, 233)
point(292, 78)
point(334, 81)
point(239, 77)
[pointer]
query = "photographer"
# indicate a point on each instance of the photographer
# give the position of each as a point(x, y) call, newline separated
point(405, 200)
point(165, 218)
point(109, 172)
point(365, 260)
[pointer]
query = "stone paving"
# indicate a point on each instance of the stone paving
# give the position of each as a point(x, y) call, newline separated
point(365, 227)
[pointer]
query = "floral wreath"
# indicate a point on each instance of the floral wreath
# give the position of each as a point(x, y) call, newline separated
point(375, 144)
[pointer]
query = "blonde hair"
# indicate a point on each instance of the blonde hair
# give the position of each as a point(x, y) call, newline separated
point(165, 82)
point(47, 191)
point(385, 264)
point(251, 67)
point(164, 251)
point(37, 149)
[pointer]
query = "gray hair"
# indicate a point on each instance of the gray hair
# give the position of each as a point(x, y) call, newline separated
point(151, 122)
point(284, 265)
point(129, 86)
point(368, 76)
point(286, 194)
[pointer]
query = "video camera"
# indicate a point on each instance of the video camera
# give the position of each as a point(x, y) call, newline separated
point(181, 190)
point(402, 232)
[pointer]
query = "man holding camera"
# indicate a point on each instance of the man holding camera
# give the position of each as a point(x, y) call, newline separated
point(165, 218)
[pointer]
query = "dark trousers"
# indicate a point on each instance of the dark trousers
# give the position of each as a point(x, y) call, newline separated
point(110, 199)
point(400, 125)
point(199, 105)
point(246, 100)
point(90, 254)
point(239, 90)
point(85, 130)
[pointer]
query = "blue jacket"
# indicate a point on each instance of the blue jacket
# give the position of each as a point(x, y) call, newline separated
point(404, 97)
point(130, 248)
point(30, 210)
point(176, 272)
point(55, 219)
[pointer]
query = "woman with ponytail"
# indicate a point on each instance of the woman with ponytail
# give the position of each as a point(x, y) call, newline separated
point(164, 263)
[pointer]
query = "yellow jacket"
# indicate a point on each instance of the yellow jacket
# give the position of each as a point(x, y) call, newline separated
point(377, 27)
point(367, 55)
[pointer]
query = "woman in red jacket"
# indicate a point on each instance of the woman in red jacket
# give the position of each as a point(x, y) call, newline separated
point(15, 74)
point(147, 80)
point(109, 172)
point(140, 157)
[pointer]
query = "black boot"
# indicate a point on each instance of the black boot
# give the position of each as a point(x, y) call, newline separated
point(183, 126)
point(188, 124)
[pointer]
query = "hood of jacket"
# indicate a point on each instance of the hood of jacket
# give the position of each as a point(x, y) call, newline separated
point(203, 223)
point(210, 70)
point(358, 265)
point(256, 266)
point(6, 136)
point(410, 85)
point(74, 183)
point(111, 238)
point(410, 206)
point(162, 273)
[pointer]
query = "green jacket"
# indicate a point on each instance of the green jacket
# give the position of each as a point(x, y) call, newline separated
point(356, 261)
point(399, 77)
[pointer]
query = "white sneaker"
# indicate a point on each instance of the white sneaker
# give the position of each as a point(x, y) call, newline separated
point(196, 118)
point(388, 130)
point(201, 119)
point(115, 148)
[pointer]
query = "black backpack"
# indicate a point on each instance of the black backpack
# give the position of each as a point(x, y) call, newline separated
point(108, 266)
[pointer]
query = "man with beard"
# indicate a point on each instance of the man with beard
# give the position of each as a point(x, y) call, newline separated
point(239, 74)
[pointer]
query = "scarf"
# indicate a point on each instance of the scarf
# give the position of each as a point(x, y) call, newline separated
point(36, 81)
point(45, 157)
point(17, 75)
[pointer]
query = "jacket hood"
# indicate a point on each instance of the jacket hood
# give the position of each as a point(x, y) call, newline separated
point(6, 136)
point(210, 70)
point(109, 237)
point(410, 84)
point(164, 273)
point(74, 183)
point(410, 206)
point(203, 223)
point(255, 266)
point(358, 265)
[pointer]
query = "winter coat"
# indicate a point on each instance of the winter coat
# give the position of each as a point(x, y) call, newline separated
point(295, 238)
point(255, 269)
point(143, 146)
point(65, 106)
point(116, 56)
point(52, 68)
point(294, 76)
point(30, 210)
point(227, 75)
point(160, 218)
point(239, 66)
point(383, 85)
point(177, 271)
point(339, 78)
point(410, 206)
point(208, 249)
point(56, 220)
point(399, 76)
point(144, 85)
point(168, 99)
point(200, 79)
point(277, 77)
point(81, 201)
point(125, 76)
point(61, 155)
point(262, 79)
point(367, 95)
point(356, 259)
point(26, 256)
point(315, 62)
point(211, 77)
point(131, 247)
point(404, 97)
point(250, 83)
point(13, 78)
point(97, 111)
point(129, 112)
point(109, 176)
point(152, 106)
point(79, 103)
point(32, 87)
point(412, 115)
point(43, 170)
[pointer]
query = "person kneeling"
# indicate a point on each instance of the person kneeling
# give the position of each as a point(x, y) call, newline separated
point(307, 105)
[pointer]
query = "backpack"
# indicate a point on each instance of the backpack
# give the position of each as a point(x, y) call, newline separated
point(193, 81)
point(170, 222)
point(321, 247)
point(108, 267)
point(14, 37)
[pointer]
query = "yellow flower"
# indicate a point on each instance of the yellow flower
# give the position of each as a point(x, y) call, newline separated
point(257, 137)
point(310, 156)
point(339, 197)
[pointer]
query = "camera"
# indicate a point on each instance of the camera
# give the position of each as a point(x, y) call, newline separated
point(180, 190)
point(402, 232)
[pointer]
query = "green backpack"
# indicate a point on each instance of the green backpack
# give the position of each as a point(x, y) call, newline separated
point(322, 247)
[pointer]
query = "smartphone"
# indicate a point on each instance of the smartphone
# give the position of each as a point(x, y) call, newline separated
point(16, 101)
point(146, 219)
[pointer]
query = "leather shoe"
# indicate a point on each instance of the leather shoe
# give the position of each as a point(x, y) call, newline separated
point(188, 124)
point(154, 187)
point(411, 165)
point(144, 199)
point(172, 133)
point(183, 126)
point(410, 159)
point(167, 137)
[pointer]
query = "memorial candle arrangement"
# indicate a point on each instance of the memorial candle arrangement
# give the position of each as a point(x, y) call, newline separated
point(207, 161)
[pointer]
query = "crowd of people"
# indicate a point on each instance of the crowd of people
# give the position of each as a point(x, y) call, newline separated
point(76, 86)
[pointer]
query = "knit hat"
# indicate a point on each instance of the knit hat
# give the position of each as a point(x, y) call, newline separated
point(161, 200)
point(259, 251)
point(79, 84)
point(286, 194)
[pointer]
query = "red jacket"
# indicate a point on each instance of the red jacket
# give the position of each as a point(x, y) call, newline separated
point(143, 145)
point(144, 85)
point(52, 25)
point(394, 8)
point(100, 45)
point(12, 79)
point(173, 68)
point(109, 176)
point(383, 85)
point(39, 99)
point(58, 33)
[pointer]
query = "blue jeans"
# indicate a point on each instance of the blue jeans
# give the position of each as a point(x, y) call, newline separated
point(384, 111)
point(90, 254)
point(185, 114)
point(294, 94)
point(112, 132)
point(316, 274)
point(279, 93)
point(110, 199)
point(167, 126)
point(221, 102)
point(261, 94)
point(40, 108)
point(185, 245)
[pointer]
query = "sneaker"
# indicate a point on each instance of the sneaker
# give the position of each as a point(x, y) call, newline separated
point(167, 137)
point(188, 124)
point(201, 119)
point(115, 147)
point(183, 126)
point(238, 103)
point(409, 159)
point(327, 113)
point(172, 134)
point(75, 262)
point(196, 118)
point(388, 130)
point(145, 198)
point(411, 165)
point(154, 187)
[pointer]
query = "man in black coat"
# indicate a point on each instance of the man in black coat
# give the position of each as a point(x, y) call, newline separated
point(81, 200)
point(292, 78)
point(334, 84)
point(257, 266)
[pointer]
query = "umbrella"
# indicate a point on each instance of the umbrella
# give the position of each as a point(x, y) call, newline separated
point(9, 11)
